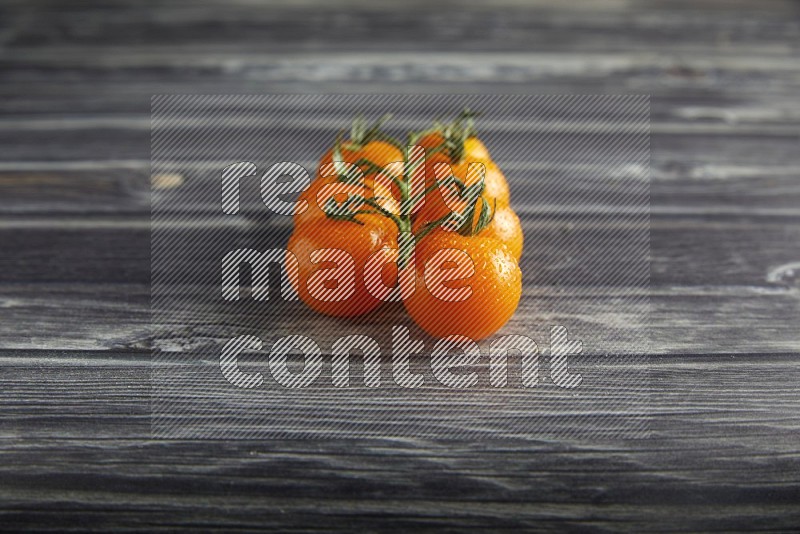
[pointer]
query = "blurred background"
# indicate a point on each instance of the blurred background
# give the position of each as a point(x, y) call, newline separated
point(77, 79)
point(78, 76)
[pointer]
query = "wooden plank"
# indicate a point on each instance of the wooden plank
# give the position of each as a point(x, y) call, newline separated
point(677, 92)
point(56, 394)
point(692, 184)
point(707, 26)
point(685, 250)
point(690, 319)
point(767, 145)
point(714, 425)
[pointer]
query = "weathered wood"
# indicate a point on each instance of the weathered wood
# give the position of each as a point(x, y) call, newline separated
point(698, 320)
point(725, 250)
point(707, 465)
point(43, 191)
point(724, 80)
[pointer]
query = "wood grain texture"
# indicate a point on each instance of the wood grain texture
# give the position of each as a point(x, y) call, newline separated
point(724, 450)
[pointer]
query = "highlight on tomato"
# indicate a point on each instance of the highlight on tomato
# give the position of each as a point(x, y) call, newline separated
point(332, 257)
point(503, 225)
point(465, 285)
point(368, 146)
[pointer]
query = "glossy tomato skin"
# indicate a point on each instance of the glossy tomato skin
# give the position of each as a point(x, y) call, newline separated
point(380, 153)
point(474, 149)
point(430, 142)
point(505, 226)
point(495, 287)
point(313, 200)
point(360, 241)
point(495, 190)
point(325, 188)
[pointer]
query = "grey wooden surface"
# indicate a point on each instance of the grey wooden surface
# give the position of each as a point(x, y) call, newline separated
point(75, 444)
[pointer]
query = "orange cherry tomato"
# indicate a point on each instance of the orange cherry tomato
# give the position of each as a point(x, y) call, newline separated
point(430, 141)
point(380, 153)
point(468, 286)
point(323, 189)
point(331, 258)
point(474, 149)
point(505, 226)
point(495, 186)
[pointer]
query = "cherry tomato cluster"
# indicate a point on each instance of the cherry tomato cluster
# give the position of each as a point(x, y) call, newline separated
point(427, 222)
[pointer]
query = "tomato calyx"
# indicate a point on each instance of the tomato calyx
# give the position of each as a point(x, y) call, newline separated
point(454, 135)
point(362, 133)
point(462, 221)
point(484, 219)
